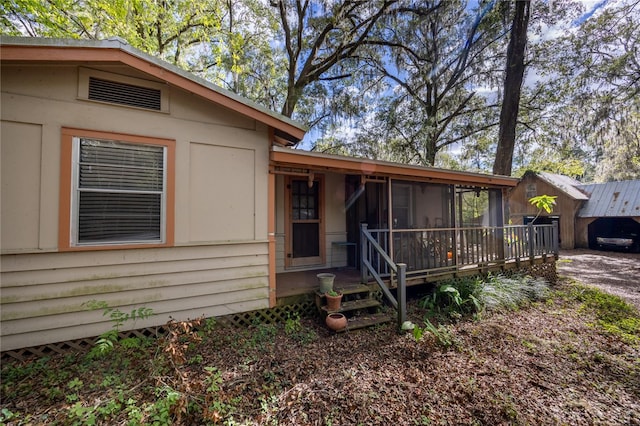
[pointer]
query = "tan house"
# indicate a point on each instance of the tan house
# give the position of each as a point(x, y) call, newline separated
point(130, 181)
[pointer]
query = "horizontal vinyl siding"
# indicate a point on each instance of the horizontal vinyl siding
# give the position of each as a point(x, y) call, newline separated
point(60, 334)
point(121, 277)
point(43, 294)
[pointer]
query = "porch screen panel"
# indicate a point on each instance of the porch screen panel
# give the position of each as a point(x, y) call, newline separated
point(402, 205)
point(306, 240)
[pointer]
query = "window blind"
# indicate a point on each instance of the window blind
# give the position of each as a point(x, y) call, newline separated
point(120, 192)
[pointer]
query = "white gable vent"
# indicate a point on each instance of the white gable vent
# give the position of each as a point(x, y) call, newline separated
point(122, 90)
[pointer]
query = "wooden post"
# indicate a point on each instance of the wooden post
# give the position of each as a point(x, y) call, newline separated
point(364, 273)
point(531, 242)
point(271, 237)
point(390, 220)
point(463, 237)
point(555, 238)
point(497, 199)
point(402, 294)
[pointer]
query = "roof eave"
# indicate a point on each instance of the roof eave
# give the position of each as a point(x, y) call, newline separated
point(116, 50)
point(308, 160)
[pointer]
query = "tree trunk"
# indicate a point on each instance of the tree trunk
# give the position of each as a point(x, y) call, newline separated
point(292, 100)
point(512, 87)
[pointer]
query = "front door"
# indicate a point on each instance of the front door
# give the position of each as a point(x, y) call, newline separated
point(305, 236)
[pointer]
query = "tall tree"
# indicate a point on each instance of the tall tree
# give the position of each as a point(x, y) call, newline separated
point(169, 29)
point(583, 112)
point(245, 57)
point(607, 59)
point(514, 75)
point(435, 67)
point(322, 39)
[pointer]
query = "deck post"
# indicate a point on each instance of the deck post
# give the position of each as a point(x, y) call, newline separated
point(531, 242)
point(364, 273)
point(390, 250)
point(402, 294)
point(500, 242)
point(556, 240)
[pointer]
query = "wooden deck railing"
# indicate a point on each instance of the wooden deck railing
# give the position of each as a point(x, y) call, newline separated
point(374, 259)
point(428, 251)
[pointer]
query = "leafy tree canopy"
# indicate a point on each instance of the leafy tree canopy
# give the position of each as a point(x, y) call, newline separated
point(402, 80)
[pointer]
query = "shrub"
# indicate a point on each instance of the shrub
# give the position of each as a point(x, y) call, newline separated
point(471, 295)
point(499, 292)
point(454, 298)
point(107, 340)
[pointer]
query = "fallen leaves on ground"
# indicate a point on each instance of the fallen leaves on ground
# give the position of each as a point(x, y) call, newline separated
point(544, 364)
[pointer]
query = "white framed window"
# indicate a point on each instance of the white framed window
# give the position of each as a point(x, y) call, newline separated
point(119, 192)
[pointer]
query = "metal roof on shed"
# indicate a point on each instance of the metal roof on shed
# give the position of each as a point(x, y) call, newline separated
point(612, 199)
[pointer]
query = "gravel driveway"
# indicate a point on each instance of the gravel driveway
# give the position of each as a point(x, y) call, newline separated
point(615, 272)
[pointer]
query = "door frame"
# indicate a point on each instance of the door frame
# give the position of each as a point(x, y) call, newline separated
point(289, 261)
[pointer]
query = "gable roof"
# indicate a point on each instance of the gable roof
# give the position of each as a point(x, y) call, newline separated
point(612, 199)
point(314, 161)
point(564, 183)
point(33, 49)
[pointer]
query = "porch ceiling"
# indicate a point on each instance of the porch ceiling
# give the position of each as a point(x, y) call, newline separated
point(286, 157)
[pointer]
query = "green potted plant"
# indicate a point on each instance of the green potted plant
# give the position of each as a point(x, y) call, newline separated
point(333, 300)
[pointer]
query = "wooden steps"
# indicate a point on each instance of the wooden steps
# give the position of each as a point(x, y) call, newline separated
point(358, 304)
point(354, 289)
point(365, 321)
point(354, 305)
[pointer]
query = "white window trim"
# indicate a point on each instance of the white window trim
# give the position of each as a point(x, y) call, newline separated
point(75, 191)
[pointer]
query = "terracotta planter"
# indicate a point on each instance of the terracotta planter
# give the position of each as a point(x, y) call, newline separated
point(336, 322)
point(326, 282)
point(333, 302)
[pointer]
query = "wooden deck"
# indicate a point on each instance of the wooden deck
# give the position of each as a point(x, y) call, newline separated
point(299, 283)
point(305, 282)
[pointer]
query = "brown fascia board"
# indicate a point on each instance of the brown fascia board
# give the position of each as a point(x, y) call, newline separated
point(26, 49)
point(287, 157)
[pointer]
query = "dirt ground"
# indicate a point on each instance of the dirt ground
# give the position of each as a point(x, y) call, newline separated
point(615, 272)
point(546, 364)
point(549, 363)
